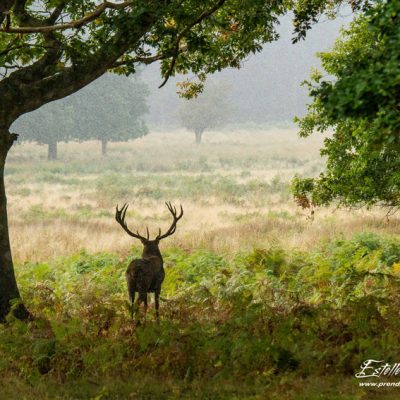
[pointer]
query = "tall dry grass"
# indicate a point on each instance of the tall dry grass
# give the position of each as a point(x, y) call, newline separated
point(58, 208)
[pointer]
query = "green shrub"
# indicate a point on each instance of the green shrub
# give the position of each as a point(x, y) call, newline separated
point(262, 312)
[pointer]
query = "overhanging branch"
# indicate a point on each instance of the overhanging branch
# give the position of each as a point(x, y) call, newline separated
point(144, 60)
point(32, 86)
point(69, 25)
point(5, 6)
point(205, 14)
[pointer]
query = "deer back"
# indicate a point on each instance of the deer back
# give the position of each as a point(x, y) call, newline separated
point(145, 274)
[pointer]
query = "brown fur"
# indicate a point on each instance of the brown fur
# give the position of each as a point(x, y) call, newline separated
point(146, 275)
point(143, 276)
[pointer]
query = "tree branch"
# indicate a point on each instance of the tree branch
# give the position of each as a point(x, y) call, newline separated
point(24, 18)
point(144, 60)
point(170, 69)
point(5, 7)
point(32, 86)
point(69, 25)
point(56, 13)
point(11, 48)
point(175, 53)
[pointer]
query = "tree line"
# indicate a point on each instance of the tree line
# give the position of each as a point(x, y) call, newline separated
point(111, 109)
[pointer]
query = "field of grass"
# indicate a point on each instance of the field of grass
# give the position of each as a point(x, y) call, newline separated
point(234, 189)
point(260, 301)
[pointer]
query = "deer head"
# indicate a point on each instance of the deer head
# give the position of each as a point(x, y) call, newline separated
point(150, 245)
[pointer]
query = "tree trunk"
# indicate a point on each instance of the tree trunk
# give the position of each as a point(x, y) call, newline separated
point(52, 151)
point(199, 134)
point(8, 285)
point(104, 147)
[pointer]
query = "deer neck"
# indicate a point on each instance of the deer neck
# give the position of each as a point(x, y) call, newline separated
point(151, 251)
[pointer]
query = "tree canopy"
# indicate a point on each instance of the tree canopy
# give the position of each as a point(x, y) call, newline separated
point(359, 100)
point(56, 48)
point(51, 123)
point(109, 109)
point(59, 59)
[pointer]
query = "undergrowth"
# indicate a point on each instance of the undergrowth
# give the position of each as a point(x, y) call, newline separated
point(232, 326)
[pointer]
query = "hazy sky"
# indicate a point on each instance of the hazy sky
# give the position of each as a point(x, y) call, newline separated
point(267, 87)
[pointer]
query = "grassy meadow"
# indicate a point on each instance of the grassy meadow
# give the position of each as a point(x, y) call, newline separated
point(234, 189)
point(260, 301)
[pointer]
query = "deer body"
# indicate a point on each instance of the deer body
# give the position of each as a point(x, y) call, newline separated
point(146, 275)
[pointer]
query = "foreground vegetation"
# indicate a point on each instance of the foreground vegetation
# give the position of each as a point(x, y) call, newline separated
point(259, 302)
point(249, 323)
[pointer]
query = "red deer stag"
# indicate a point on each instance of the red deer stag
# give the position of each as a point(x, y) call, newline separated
point(146, 275)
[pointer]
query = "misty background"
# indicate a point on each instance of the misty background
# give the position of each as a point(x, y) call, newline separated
point(265, 91)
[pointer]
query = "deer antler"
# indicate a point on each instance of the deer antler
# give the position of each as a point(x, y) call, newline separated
point(120, 217)
point(176, 218)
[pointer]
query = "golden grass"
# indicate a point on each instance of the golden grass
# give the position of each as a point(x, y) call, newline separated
point(209, 223)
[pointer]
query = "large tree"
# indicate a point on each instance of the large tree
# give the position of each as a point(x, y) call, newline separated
point(360, 100)
point(49, 125)
point(110, 109)
point(51, 49)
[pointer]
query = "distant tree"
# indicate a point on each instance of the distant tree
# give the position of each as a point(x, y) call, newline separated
point(111, 109)
point(209, 110)
point(49, 125)
point(360, 100)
